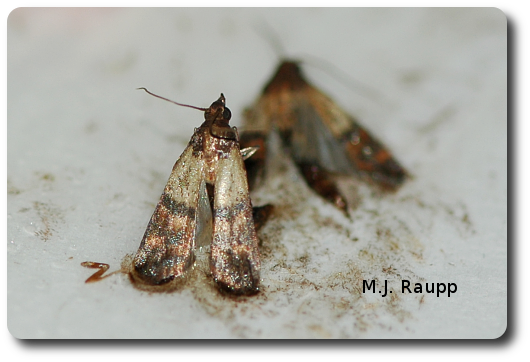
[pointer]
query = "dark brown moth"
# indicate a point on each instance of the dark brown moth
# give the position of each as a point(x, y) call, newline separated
point(208, 185)
point(321, 137)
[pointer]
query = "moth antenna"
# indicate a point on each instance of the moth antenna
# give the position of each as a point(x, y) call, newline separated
point(266, 31)
point(342, 76)
point(169, 100)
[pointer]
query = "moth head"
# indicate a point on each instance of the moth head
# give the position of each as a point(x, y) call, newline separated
point(288, 76)
point(218, 111)
point(219, 116)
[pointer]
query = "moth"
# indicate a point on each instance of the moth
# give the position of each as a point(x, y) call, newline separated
point(208, 185)
point(321, 137)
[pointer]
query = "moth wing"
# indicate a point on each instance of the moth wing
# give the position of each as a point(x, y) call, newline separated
point(312, 141)
point(203, 231)
point(166, 250)
point(235, 263)
point(299, 117)
point(324, 133)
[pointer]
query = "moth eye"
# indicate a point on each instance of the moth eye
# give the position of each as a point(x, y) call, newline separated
point(227, 114)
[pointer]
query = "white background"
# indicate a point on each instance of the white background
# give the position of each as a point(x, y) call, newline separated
point(75, 139)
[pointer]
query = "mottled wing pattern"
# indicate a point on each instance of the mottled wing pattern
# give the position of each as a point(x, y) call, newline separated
point(372, 160)
point(166, 250)
point(235, 261)
point(338, 143)
point(321, 137)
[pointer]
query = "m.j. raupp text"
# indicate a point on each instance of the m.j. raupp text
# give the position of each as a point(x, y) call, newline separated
point(416, 288)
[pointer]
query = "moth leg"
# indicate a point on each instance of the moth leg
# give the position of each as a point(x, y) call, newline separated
point(254, 165)
point(261, 214)
point(322, 183)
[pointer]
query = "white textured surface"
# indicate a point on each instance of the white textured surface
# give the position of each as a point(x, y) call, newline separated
point(88, 157)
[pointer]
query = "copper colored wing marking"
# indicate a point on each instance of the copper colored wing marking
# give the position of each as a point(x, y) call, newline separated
point(372, 160)
point(166, 250)
point(235, 263)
